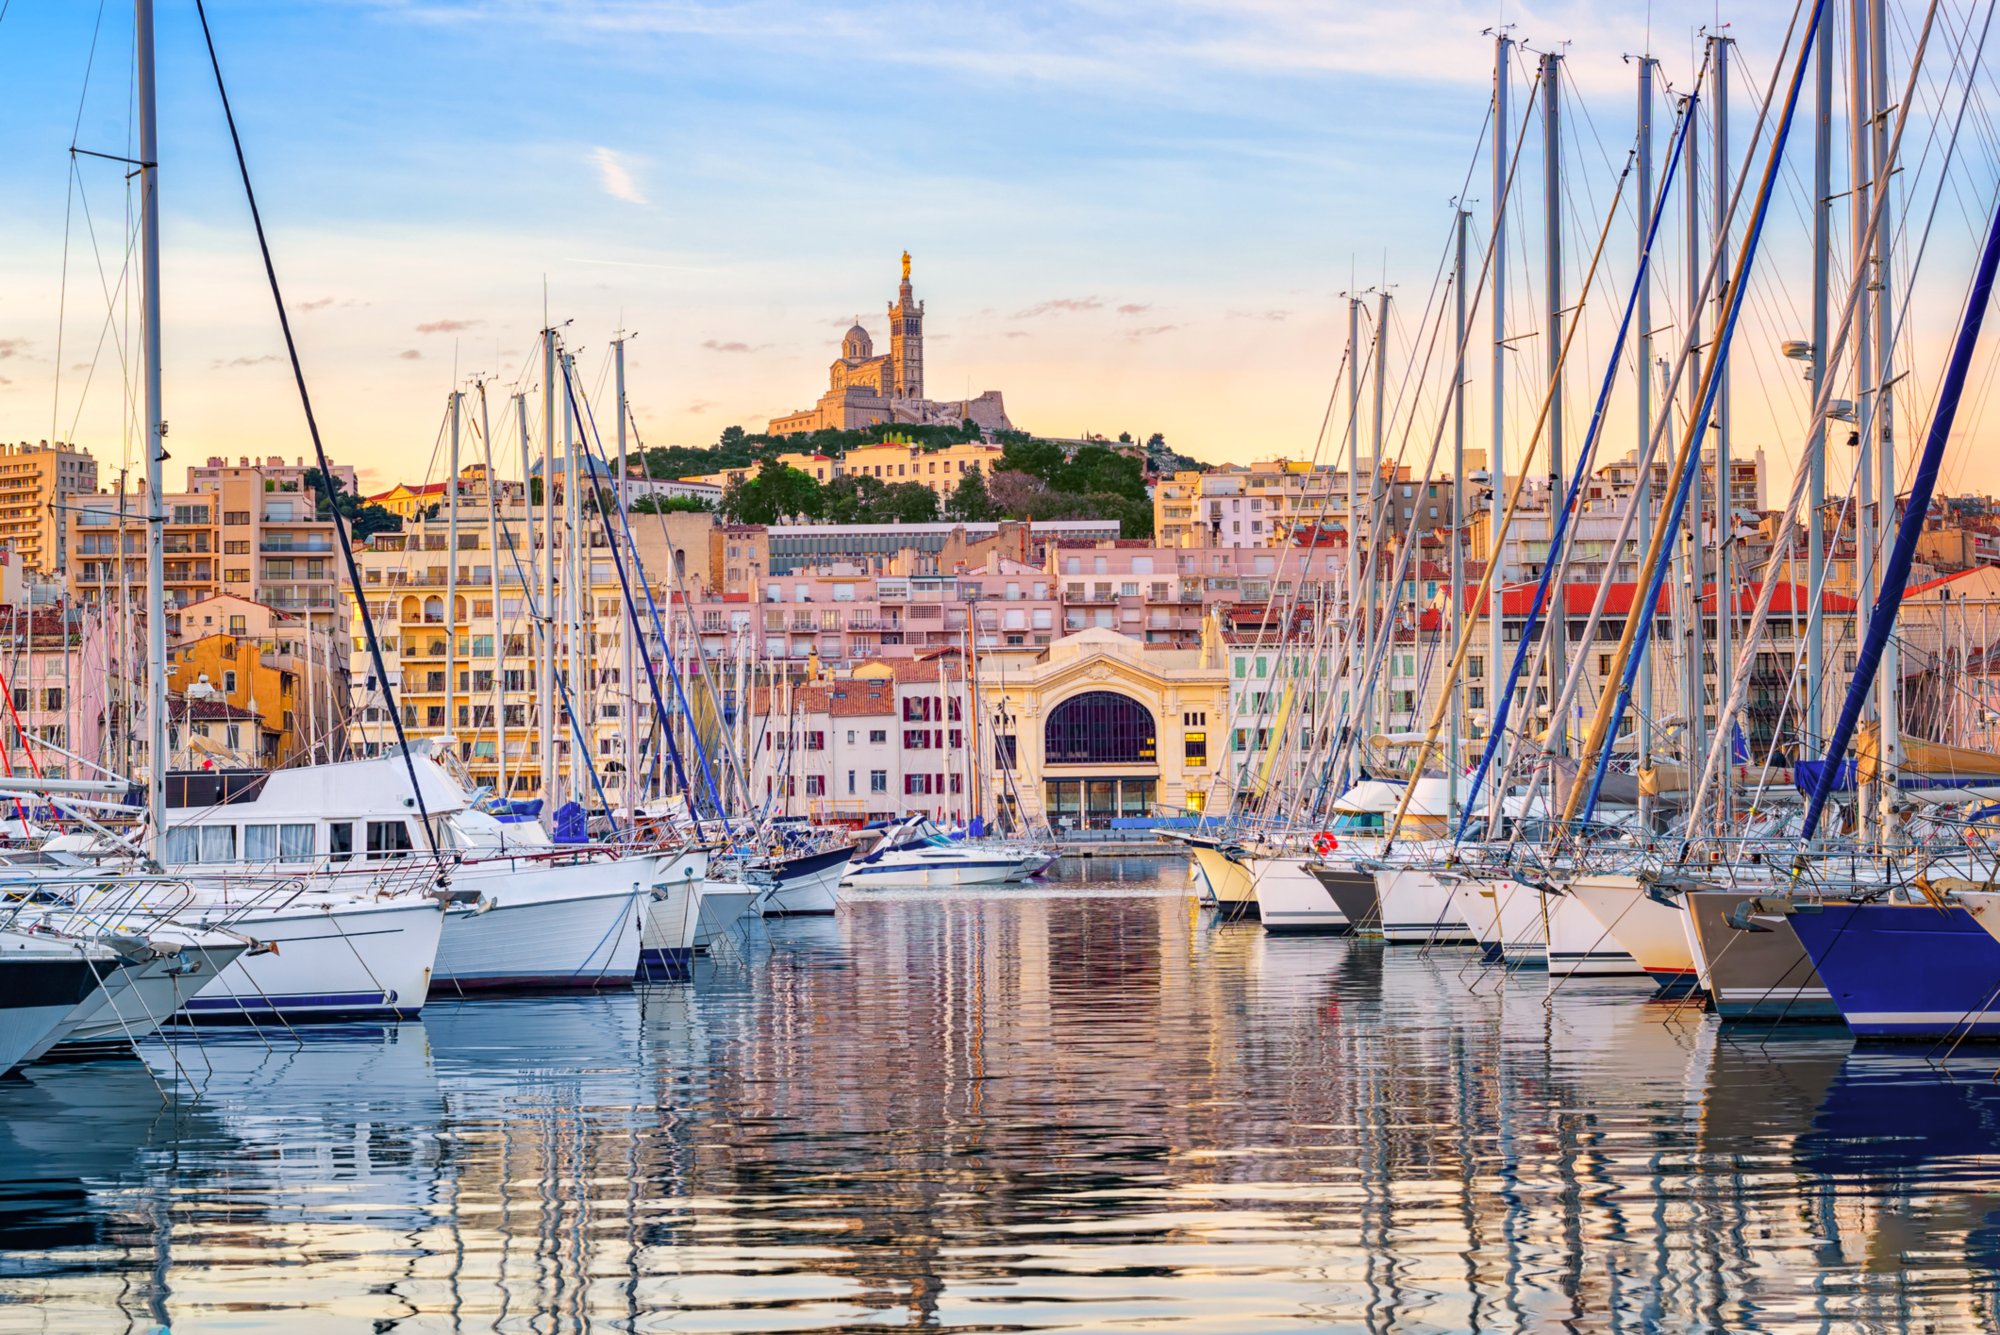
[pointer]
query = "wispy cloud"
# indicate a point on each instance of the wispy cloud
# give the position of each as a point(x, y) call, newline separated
point(1153, 330)
point(224, 363)
point(615, 176)
point(448, 326)
point(316, 304)
point(1059, 306)
point(1135, 307)
point(409, 355)
point(732, 345)
point(1017, 333)
point(12, 347)
point(700, 406)
point(1260, 315)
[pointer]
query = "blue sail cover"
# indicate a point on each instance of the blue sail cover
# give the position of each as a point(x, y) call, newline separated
point(1805, 775)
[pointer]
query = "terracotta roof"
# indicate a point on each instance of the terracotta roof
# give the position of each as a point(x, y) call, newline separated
point(1942, 580)
point(1578, 599)
point(423, 489)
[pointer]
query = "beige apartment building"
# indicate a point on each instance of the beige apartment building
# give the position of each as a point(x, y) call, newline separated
point(36, 481)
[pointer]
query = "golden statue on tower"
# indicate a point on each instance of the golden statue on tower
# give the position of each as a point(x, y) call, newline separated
point(906, 266)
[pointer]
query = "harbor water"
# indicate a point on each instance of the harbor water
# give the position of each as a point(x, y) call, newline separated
point(1078, 1105)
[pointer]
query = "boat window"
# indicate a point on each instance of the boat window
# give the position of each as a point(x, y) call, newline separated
point(340, 840)
point(295, 842)
point(218, 843)
point(260, 843)
point(388, 839)
point(184, 845)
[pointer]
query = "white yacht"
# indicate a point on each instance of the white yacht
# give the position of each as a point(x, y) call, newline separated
point(914, 856)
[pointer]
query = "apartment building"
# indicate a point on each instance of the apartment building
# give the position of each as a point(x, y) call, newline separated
point(36, 482)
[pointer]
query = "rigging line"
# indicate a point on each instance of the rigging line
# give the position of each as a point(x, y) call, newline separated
point(340, 527)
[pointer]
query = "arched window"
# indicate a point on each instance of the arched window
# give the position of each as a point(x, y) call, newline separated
point(1099, 728)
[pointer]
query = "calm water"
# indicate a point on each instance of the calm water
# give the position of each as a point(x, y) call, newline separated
point(1077, 1107)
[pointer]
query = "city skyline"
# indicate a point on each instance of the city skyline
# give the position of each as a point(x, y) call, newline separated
point(1121, 251)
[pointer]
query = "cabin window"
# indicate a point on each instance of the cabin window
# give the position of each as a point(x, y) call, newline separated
point(218, 843)
point(260, 843)
point(388, 839)
point(340, 840)
point(295, 842)
point(184, 845)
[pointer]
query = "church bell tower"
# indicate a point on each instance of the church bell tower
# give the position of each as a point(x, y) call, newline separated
point(906, 340)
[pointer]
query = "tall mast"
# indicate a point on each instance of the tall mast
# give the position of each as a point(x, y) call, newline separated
point(451, 577)
point(1642, 486)
point(1725, 588)
point(1357, 708)
point(1888, 684)
point(1496, 467)
point(1694, 672)
point(1813, 731)
point(1860, 201)
point(545, 642)
point(156, 425)
point(1558, 621)
point(575, 596)
point(1455, 599)
point(628, 695)
point(1380, 622)
point(493, 571)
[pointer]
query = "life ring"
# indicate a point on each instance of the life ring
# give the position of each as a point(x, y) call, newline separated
point(1324, 843)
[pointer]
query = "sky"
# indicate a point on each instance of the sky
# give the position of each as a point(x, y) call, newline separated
point(1124, 215)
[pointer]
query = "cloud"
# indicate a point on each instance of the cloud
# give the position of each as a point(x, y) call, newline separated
point(12, 347)
point(316, 304)
point(1260, 315)
point(448, 326)
point(1135, 307)
point(410, 355)
point(1059, 306)
point(1017, 333)
point(731, 345)
point(1152, 329)
point(701, 405)
point(615, 176)
point(222, 363)
point(4, 381)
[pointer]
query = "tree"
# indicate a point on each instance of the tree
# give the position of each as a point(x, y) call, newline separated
point(969, 502)
point(369, 520)
point(668, 505)
point(778, 491)
point(1124, 437)
point(1014, 494)
point(908, 503)
point(732, 438)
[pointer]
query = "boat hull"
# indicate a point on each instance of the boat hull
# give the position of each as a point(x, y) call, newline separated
point(1418, 908)
point(1905, 970)
point(1764, 976)
point(1230, 884)
point(1579, 945)
point(719, 905)
point(1652, 933)
point(1290, 899)
point(138, 1000)
point(923, 872)
point(1522, 922)
point(673, 915)
point(42, 991)
point(336, 963)
point(1353, 893)
point(545, 927)
point(806, 886)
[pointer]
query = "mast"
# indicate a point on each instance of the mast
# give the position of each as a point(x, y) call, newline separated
point(628, 697)
point(1725, 587)
point(1815, 711)
point(575, 596)
point(545, 643)
point(1357, 708)
point(1642, 486)
point(1381, 625)
point(1558, 622)
point(1860, 197)
point(147, 91)
point(1888, 685)
point(451, 577)
point(1496, 470)
point(1455, 601)
point(529, 644)
point(1694, 672)
point(493, 571)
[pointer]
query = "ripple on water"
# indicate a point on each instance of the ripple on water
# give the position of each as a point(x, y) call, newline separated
point(1073, 1106)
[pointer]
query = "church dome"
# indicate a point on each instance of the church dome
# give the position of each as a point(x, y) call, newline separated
point(857, 346)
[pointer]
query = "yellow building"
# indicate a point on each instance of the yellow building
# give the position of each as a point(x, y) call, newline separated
point(1100, 726)
point(35, 482)
point(941, 468)
point(252, 676)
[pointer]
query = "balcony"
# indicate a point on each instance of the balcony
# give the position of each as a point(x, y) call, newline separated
point(280, 547)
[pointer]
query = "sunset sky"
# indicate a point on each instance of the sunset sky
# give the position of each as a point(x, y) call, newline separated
point(1126, 216)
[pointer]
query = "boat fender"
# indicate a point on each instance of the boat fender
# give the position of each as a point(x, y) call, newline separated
point(1324, 843)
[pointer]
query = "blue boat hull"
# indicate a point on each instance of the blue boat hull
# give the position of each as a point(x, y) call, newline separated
point(1905, 970)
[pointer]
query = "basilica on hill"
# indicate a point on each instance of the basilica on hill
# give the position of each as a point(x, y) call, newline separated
point(864, 388)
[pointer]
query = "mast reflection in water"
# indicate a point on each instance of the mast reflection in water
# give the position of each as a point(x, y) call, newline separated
point(1076, 1106)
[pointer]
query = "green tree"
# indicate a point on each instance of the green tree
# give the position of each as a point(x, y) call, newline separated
point(777, 492)
point(668, 505)
point(969, 501)
point(908, 503)
point(732, 438)
point(369, 520)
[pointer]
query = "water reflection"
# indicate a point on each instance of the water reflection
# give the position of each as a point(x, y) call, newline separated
point(1075, 1107)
